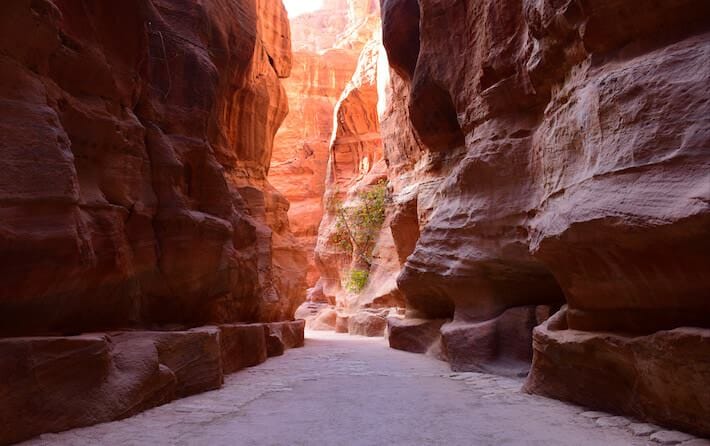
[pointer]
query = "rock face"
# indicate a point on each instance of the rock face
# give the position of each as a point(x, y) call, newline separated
point(321, 69)
point(557, 153)
point(368, 324)
point(414, 335)
point(644, 375)
point(50, 384)
point(136, 138)
point(329, 151)
point(501, 345)
point(356, 165)
point(243, 345)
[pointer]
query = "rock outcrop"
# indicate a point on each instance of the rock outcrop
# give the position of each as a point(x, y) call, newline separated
point(136, 138)
point(50, 384)
point(542, 153)
point(355, 163)
point(136, 141)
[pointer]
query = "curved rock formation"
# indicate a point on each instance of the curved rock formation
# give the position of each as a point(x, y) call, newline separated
point(329, 150)
point(546, 152)
point(300, 157)
point(136, 140)
point(355, 166)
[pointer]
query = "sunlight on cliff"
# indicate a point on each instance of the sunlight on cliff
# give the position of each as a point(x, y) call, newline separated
point(298, 7)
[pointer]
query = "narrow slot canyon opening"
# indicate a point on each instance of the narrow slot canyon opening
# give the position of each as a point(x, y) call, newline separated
point(425, 214)
point(329, 163)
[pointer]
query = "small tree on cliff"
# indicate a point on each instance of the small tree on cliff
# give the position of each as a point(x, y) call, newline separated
point(357, 228)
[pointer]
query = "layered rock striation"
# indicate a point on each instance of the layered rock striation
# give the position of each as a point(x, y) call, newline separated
point(321, 69)
point(329, 153)
point(544, 153)
point(136, 142)
point(135, 205)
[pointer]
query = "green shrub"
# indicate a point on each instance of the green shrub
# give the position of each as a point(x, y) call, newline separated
point(356, 280)
point(357, 227)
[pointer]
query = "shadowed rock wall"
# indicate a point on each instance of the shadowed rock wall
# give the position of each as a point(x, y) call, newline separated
point(136, 138)
point(547, 152)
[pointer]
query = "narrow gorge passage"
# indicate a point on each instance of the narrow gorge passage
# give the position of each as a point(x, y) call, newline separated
point(352, 390)
point(490, 217)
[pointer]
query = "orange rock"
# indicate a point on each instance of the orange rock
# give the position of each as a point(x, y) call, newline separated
point(327, 44)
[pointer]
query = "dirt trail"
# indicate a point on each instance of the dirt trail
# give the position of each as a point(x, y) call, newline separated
point(346, 390)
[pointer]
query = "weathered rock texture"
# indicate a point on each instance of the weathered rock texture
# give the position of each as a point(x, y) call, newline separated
point(355, 163)
point(345, 24)
point(50, 384)
point(541, 152)
point(136, 138)
point(330, 149)
point(658, 376)
point(321, 69)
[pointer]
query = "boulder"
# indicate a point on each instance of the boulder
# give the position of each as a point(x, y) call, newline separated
point(502, 345)
point(342, 323)
point(414, 335)
point(51, 384)
point(325, 320)
point(193, 356)
point(368, 324)
point(242, 345)
point(649, 377)
point(280, 336)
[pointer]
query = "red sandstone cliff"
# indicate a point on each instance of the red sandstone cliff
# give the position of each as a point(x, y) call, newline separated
point(327, 45)
point(136, 140)
point(320, 72)
point(543, 153)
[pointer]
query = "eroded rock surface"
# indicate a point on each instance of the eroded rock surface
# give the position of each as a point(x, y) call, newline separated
point(548, 152)
point(51, 384)
point(343, 156)
point(321, 69)
point(361, 373)
point(136, 140)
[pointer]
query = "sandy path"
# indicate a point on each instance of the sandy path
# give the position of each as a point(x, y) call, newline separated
point(343, 390)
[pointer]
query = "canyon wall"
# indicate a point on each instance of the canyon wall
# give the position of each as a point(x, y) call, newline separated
point(136, 141)
point(356, 179)
point(329, 155)
point(321, 69)
point(333, 101)
point(543, 154)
